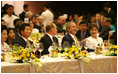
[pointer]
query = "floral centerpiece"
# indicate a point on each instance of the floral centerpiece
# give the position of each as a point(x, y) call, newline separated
point(35, 37)
point(74, 53)
point(112, 51)
point(23, 55)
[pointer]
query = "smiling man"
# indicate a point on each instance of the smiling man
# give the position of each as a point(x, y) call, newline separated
point(71, 30)
point(25, 33)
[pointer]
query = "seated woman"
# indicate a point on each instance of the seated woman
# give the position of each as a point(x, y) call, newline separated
point(11, 36)
point(93, 41)
point(4, 45)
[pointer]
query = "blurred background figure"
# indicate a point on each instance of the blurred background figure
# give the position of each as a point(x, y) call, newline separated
point(26, 9)
point(3, 22)
point(104, 33)
point(109, 12)
point(98, 21)
point(47, 15)
point(9, 18)
point(108, 22)
point(60, 23)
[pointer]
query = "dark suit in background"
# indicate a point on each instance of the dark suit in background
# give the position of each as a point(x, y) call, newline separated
point(104, 33)
point(47, 42)
point(59, 28)
point(99, 26)
point(78, 35)
point(21, 42)
point(68, 38)
point(111, 15)
point(22, 15)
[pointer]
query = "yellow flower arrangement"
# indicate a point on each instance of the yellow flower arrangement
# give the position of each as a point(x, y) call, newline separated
point(112, 51)
point(23, 55)
point(74, 53)
point(35, 37)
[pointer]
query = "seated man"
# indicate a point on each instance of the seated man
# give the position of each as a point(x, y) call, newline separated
point(60, 23)
point(83, 32)
point(70, 37)
point(105, 30)
point(25, 32)
point(49, 38)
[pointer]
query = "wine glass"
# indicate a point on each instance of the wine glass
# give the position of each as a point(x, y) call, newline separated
point(40, 48)
point(66, 45)
point(36, 45)
point(106, 44)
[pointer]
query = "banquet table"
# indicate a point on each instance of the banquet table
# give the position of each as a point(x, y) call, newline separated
point(99, 64)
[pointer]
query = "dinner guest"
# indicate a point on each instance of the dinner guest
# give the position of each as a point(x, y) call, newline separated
point(17, 30)
point(70, 37)
point(25, 32)
point(60, 23)
point(11, 36)
point(83, 32)
point(76, 18)
point(4, 45)
point(93, 41)
point(49, 37)
point(108, 22)
point(98, 21)
point(104, 33)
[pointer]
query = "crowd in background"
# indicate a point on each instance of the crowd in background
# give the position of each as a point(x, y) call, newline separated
point(17, 29)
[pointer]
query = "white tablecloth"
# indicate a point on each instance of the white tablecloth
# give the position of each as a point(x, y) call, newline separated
point(100, 64)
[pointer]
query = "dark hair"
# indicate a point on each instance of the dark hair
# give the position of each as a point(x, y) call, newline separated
point(15, 21)
point(83, 22)
point(33, 16)
point(91, 25)
point(47, 6)
point(9, 6)
point(10, 29)
point(3, 27)
point(25, 6)
point(108, 20)
point(18, 24)
point(97, 13)
point(23, 26)
point(107, 4)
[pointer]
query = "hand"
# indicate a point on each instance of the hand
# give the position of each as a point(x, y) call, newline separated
point(83, 41)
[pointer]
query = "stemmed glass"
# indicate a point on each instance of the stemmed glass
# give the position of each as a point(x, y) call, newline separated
point(36, 45)
point(66, 45)
point(40, 48)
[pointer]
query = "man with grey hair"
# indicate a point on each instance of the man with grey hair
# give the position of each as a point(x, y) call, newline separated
point(60, 23)
point(28, 15)
point(71, 31)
